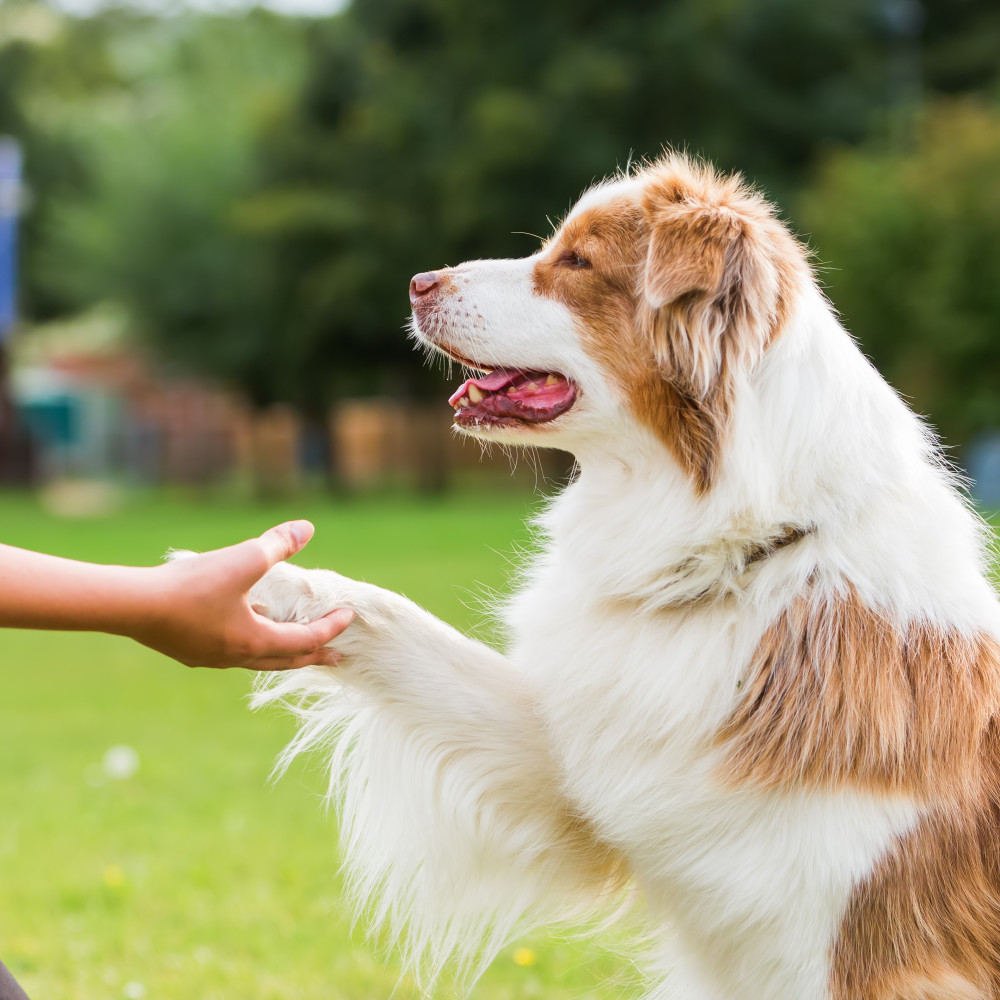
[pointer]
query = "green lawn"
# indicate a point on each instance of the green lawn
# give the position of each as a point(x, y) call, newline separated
point(196, 878)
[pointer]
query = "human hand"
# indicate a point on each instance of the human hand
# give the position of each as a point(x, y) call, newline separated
point(200, 611)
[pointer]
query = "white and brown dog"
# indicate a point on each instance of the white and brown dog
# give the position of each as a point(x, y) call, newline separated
point(755, 672)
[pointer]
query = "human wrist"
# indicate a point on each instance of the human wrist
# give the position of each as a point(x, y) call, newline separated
point(138, 600)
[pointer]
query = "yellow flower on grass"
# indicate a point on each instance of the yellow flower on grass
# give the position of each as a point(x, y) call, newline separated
point(524, 956)
point(114, 876)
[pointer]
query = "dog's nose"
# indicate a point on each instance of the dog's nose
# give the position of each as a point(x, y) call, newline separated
point(421, 284)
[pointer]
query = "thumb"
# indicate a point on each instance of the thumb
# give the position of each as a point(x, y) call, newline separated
point(284, 540)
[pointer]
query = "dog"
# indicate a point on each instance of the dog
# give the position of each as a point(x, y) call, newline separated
point(754, 674)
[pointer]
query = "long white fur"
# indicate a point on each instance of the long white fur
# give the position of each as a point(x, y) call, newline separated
point(477, 789)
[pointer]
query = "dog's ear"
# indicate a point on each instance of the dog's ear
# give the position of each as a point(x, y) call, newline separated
point(688, 247)
point(708, 291)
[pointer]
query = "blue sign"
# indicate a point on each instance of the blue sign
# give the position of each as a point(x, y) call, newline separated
point(10, 201)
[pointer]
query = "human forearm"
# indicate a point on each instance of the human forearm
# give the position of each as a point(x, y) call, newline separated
point(49, 592)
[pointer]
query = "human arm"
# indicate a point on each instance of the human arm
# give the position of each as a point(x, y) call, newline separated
point(195, 610)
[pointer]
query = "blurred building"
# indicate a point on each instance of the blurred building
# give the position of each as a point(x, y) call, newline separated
point(97, 407)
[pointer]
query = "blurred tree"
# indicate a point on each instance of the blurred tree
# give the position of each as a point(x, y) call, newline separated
point(961, 45)
point(48, 66)
point(168, 149)
point(912, 238)
point(429, 129)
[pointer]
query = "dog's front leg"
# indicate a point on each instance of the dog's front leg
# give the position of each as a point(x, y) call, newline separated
point(454, 823)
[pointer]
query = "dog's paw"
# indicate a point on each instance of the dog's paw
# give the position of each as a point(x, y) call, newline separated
point(284, 594)
point(288, 593)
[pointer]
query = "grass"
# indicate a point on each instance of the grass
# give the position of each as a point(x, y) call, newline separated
point(195, 877)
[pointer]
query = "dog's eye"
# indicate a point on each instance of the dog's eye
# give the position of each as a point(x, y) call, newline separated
point(572, 259)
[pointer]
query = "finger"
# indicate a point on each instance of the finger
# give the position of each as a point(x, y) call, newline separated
point(328, 627)
point(327, 657)
point(318, 658)
point(254, 557)
point(284, 540)
point(294, 639)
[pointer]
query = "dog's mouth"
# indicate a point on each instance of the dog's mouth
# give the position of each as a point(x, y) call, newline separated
point(508, 396)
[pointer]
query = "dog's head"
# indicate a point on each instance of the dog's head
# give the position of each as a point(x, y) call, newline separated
point(657, 294)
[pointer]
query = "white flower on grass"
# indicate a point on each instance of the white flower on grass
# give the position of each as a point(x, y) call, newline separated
point(133, 990)
point(120, 762)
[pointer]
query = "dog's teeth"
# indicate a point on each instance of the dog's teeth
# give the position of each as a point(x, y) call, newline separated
point(463, 402)
point(532, 385)
point(551, 380)
point(474, 394)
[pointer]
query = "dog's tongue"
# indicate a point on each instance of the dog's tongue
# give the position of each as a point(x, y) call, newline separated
point(498, 379)
point(513, 394)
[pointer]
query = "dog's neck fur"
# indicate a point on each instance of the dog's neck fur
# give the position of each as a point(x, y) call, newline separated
point(814, 396)
point(705, 569)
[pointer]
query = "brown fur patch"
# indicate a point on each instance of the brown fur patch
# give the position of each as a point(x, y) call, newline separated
point(685, 284)
point(935, 984)
point(838, 695)
point(929, 915)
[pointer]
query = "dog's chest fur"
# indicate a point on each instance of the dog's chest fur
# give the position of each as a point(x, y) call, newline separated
point(633, 703)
